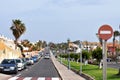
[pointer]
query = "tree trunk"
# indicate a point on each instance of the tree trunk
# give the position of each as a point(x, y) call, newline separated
point(15, 41)
point(113, 54)
point(118, 72)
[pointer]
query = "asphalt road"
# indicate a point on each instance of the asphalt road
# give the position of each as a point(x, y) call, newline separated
point(43, 68)
point(113, 65)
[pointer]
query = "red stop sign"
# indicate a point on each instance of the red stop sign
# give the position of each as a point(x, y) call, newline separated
point(105, 32)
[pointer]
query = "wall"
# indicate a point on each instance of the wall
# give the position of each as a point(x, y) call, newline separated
point(7, 49)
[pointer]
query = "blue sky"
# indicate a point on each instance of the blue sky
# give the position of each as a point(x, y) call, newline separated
point(58, 20)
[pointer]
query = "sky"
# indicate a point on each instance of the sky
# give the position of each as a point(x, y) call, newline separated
point(59, 20)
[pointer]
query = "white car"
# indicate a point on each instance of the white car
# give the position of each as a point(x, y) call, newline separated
point(20, 64)
point(47, 56)
point(29, 61)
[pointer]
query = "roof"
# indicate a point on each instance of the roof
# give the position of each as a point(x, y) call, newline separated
point(111, 45)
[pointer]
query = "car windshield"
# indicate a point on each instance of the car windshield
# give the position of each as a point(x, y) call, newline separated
point(18, 61)
point(27, 58)
point(8, 62)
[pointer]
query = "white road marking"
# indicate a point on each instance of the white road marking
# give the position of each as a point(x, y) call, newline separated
point(41, 78)
point(13, 78)
point(27, 78)
point(18, 75)
point(55, 79)
point(30, 78)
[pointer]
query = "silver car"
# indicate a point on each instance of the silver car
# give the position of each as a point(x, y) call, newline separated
point(20, 64)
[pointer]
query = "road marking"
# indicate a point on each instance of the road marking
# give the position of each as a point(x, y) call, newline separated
point(26, 70)
point(34, 78)
point(55, 79)
point(28, 78)
point(42, 78)
point(18, 75)
point(13, 78)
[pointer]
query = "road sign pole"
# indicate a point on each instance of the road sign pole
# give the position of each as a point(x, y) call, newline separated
point(105, 32)
point(104, 60)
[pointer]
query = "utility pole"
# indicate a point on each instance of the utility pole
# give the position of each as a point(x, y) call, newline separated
point(80, 46)
point(68, 53)
point(119, 47)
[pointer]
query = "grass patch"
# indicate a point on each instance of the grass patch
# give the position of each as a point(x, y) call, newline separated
point(94, 71)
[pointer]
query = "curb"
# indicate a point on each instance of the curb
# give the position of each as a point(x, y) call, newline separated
point(57, 70)
point(86, 76)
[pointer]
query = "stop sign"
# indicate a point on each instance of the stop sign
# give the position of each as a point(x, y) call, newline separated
point(105, 32)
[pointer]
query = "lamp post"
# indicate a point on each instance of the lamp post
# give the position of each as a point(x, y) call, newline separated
point(80, 46)
point(61, 55)
point(68, 54)
point(119, 49)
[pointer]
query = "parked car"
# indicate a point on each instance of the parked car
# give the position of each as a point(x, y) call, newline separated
point(38, 56)
point(20, 64)
point(9, 65)
point(29, 61)
point(35, 58)
point(109, 59)
point(24, 62)
point(41, 54)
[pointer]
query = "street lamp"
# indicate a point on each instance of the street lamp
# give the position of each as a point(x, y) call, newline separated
point(81, 47)
point(68, 53)
point(60, 54)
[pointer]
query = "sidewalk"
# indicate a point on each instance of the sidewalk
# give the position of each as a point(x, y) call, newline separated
point(64, 72)
point(4, 76)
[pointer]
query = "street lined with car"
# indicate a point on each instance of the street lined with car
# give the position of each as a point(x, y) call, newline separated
point(13, 66)
point(37, 66)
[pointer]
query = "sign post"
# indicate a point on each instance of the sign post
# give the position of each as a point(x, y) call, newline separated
point(105, 32)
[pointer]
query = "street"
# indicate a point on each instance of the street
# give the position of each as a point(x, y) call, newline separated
point(44, 68)
point(113, 65)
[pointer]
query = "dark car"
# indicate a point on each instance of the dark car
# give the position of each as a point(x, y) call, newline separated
point(9, 65)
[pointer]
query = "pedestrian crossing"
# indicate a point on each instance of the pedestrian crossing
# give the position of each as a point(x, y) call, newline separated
point(34, 78)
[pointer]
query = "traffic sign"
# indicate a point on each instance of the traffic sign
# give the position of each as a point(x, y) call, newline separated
point(105, 32)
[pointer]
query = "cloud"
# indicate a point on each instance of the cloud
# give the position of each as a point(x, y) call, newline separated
point(60, 15)
point(18, 6)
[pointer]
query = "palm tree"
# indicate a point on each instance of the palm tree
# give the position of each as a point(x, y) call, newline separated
point(39, 45)
point(116, 34)
point(26, 43)
point(18, 28)
point(68, 42)
point(44, 44)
